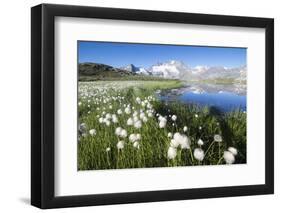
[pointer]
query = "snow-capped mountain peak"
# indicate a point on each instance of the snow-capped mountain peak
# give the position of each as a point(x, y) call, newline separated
point(133, 68)
point(170, 69)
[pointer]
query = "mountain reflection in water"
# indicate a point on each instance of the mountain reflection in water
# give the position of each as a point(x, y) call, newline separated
point(225, 97)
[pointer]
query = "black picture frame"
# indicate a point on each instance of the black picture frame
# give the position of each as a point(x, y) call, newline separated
point(43, 111)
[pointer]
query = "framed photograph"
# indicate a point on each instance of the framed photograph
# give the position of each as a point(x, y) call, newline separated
point(139, 106)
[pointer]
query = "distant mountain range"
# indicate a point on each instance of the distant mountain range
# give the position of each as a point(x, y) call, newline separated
point(171, 70)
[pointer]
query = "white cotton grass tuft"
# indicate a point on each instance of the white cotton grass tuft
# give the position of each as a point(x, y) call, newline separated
point(107, 122)
point(120, 145)
point(180, 140)
point(185, 144)
point(138, 100)
point(118, 131)
point(123, 133)
point(119, 112)
point(138, 136)
point(162, 121)
point(185, 128)
point(233, 150)
point(135, 114)
point(217, 138)
point(196, 115)
point(136, 145)
point(170, 135)
point(92, 132)
point(228, 157)
point(130, 122)
point(174, 143)
point(162, 124)
point(172, 153)
point(107, 149)
point(114, 119)
point(133, 137)
point(142, 115)
point(200, 142)
point(135, 118)
point(174, 117)
point(199, 154)
point(100, 120)
point(144, 119)
point(127, 110)
point(138, 124)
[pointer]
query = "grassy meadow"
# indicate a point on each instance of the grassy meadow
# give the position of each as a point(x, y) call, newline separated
point(122, 124)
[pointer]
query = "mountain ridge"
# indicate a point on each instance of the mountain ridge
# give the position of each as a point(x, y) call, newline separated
point(172, 69)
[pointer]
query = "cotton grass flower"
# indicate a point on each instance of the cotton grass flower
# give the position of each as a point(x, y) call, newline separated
point(162, 124)
point(92, 132)
point(217, 138)
point(185, 143)
point(136, 145)
point(172, 153)
point(135, 114)
point(138, 136)
point(118, 131)
point(127, 110)
point(185, 128)
point(199, 154)
point(123, 133)
point(133, 137)
point(144, 119)
point(162, 121)
point(138, 124)
point(130, 122)
point(114, 118)
point(107, 149)
point(233, 150)
point(108, 116)
point(182, 140)
point(149, 114)
point(119, 112)
point(107, 122)
point(100, 120)
point(138, 100)
point(174, 143)
point(200, 142)
point(120, 145)
point(228, 157)
point(170, 135)
point(142, 115)
point(174, 117)
point(135, 118)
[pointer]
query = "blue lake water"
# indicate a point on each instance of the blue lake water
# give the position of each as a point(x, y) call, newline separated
point(223, 97)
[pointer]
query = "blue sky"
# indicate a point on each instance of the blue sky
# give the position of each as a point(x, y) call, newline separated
point(146, 55)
